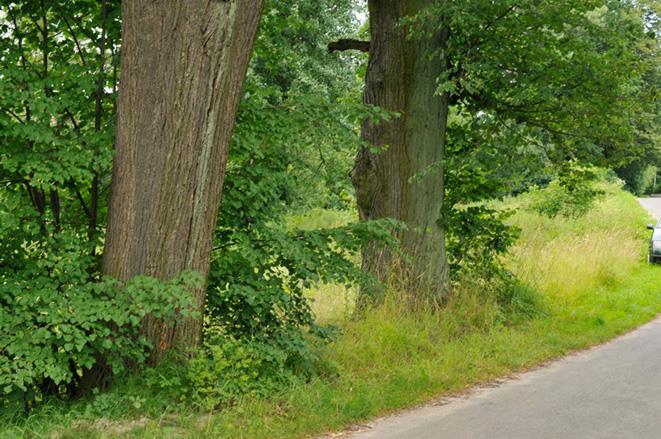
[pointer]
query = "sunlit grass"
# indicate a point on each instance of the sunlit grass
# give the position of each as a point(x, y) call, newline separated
point(321, 219)
point(562, 257)
point(559, 257)
point(332, 303)
point(564, 268)
point(394, 359)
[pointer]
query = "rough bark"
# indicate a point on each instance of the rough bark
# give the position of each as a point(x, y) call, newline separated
point(397, 182)
point(183, 64)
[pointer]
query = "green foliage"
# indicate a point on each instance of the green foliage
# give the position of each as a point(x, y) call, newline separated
point(477, 170)
point(229, 369)
point(477, 237)
point(517, 61)
point(59, 79)
point(223, 371)
point(58, 324)
point(58, 65)
point(573, 194)
point(261, 265)
point(308, 96)
point(640, 175)
point(394, 358)
point(648, 180)
point(534, 86)
point(257, 285)
point(524, 111)
point(295, 125)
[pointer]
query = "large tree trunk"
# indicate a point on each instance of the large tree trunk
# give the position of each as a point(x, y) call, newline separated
point(183, 63)
point(397, 182)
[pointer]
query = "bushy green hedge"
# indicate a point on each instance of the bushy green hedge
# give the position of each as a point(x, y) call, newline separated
point(56, 324)
point(227, 368)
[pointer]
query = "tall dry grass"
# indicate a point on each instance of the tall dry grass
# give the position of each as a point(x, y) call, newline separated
point(565, 267)
point(563, 257)
point(559, 257)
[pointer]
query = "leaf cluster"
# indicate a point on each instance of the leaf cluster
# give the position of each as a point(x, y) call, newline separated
point(58, 323)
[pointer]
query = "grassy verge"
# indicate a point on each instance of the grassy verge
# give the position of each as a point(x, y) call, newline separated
point(590, 272)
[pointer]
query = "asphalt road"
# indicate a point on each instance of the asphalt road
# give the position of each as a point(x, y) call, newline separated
point(653, 206)
point(611, 391)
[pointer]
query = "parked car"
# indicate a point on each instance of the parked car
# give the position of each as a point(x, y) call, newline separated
point(655, 243)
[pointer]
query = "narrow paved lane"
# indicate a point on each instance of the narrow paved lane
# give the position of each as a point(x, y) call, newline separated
point(653, 205)
point(611, 391)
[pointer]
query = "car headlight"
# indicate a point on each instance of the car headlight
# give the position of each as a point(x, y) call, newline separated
point(656, 245)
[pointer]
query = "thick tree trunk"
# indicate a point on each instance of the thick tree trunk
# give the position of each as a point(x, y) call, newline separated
point(397, 182)
point(183, 63)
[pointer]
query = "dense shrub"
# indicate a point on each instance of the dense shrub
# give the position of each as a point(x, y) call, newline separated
point(640, 175)
point(57, 323)
point(573, 194)
point(476, 237)
point(227, 368)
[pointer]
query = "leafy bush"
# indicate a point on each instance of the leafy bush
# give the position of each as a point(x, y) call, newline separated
point(57, 324)
point(476, 237)
point(572, 195)
point(228, 368)
point(257, 289)
point(640, 174)
point(647, 180)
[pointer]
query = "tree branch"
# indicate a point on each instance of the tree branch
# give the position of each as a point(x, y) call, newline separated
point(75, 39)
point(81, 200)
point(348, 44)
point(14, 115)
